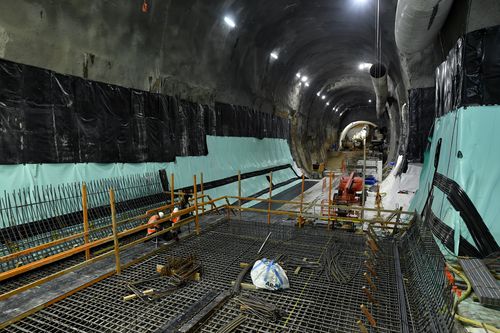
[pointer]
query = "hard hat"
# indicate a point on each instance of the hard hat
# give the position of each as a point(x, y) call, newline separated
point(160, 214)
point(176, 210)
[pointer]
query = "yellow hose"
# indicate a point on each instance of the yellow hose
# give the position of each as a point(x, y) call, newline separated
point(466, 294)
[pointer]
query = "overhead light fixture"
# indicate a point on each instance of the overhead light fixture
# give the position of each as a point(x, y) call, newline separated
point(229, 21)
point(323, 97)
point(318, 93)
point(298, 75)
point(364, 65)
point(304, 78)
point(274, 55)
point(327, 103)
point(307, 84)
point(369, 101)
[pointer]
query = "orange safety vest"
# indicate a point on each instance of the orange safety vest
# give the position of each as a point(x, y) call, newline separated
point(153, 219)
point(176, 219)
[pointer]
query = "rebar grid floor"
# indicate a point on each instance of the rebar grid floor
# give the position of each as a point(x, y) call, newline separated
point(312, 304)
point(44, 271)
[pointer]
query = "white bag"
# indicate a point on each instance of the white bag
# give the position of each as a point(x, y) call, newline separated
point(266, 274)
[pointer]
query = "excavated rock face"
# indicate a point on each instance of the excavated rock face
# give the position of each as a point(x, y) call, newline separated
point(185, 48)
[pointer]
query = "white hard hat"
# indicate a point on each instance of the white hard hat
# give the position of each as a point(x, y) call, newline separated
point(176, 210)
point(160, 214)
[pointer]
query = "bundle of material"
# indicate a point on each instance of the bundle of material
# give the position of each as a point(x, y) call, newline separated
point(178, 266)
point(176, 273)
point(332, 267)
point(232, 325)
point(267, 312)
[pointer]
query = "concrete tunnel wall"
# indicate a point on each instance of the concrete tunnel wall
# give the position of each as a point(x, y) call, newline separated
point(185, 49)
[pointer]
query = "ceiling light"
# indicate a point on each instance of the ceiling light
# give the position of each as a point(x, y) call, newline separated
point(229, 21)
point(364, 65)
point(323, 97)
point(307, 84)
point(369, 101)
point(298, 75)
point(274, 55)
point(304, 78)
point(327, 103)
point(318, 93)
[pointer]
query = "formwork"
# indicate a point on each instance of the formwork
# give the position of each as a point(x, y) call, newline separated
point(313, 303)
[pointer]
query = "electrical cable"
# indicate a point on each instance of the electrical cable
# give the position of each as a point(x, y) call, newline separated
point(466, 294)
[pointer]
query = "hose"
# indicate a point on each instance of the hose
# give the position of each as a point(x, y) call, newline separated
point(466, 294)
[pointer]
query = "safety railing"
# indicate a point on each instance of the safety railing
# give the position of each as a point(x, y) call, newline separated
point(111, 212)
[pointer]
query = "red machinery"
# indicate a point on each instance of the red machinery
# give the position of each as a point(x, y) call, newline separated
point(348, 187)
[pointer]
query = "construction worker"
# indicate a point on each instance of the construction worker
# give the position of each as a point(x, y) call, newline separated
point(152, 229)
point(175, 220)
point(178, 218)
point(167, 224)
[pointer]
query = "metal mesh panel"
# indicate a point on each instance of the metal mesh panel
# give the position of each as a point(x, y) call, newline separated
point(312, 304)
point(46, 214)
point(428, 292)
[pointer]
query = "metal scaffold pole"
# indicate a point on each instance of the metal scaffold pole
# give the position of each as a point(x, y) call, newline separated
point(114, 227)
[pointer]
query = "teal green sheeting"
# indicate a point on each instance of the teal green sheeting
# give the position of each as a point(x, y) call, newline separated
point(226, 155)
point(472, 131)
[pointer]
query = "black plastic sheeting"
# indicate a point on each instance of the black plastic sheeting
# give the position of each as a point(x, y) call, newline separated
point(235, 120)
point(447, 235)
point(46, 117)
point(459, 199)
point(421, 118)
point(471, 73)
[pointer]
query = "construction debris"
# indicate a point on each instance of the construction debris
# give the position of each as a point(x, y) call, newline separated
point(332, 268)
point(268, 274)
point(181, 268)
point(267, 312)
point(177, 273)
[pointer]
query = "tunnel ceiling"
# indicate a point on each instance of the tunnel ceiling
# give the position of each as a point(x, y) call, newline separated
point(324, 40)
point(185, 48)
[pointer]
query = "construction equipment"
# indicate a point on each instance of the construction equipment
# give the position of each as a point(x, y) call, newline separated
point(347, 192)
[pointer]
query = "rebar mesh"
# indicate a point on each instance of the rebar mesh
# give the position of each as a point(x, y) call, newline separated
point(31, 217)
point(312, 304)
point(428, 291)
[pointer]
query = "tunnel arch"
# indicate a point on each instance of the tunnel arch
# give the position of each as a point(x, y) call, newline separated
point(351, 126)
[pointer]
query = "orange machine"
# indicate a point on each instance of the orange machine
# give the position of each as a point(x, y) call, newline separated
point(348, 187)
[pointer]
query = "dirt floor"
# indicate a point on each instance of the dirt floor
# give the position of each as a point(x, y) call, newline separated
point(335, 159)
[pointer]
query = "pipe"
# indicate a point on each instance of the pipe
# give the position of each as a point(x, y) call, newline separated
point(418, 22)
point(378, 73)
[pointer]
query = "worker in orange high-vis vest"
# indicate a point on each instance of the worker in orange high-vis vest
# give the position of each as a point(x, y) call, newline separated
point(175, 220)
point(178, 218)
point(154, 228)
